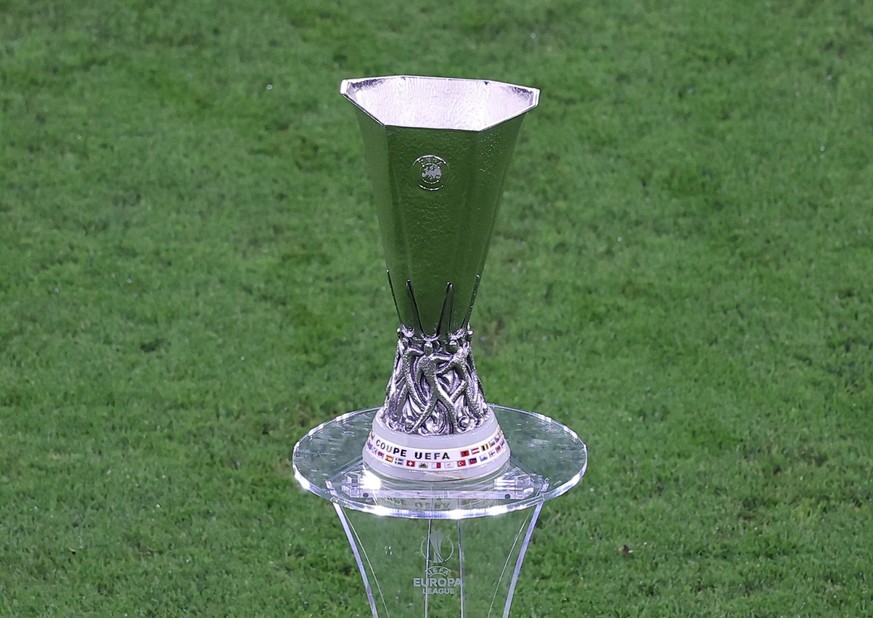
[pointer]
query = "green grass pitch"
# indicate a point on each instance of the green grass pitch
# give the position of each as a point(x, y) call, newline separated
point(191, 278)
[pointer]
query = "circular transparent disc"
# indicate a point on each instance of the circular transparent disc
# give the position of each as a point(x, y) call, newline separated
point(547, 460)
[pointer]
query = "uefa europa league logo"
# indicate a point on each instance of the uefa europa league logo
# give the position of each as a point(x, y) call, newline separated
point(437, 548)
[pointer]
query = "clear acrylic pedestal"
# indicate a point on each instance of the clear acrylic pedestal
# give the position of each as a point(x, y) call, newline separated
point(445, 548)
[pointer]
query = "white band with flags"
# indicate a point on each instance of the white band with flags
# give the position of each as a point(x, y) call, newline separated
point(437, 459)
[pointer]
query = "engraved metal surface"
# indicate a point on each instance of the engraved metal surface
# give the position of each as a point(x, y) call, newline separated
point(434, 388)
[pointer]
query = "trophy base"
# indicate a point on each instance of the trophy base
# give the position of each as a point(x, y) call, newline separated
point(472, 454)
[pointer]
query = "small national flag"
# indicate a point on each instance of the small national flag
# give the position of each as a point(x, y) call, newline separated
point(439, 465)
point(389, 458)
point(483, 458)
point(410, 463)
point(450, 464)
point(398, 461)
point(472, 460)
point(462, 463)
point(485, 447)
point(499, 446)
point(381, 455)
point(465, 453)
point(475, 450)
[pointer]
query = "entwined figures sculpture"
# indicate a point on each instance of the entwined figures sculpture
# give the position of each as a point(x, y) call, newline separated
point(434, 388)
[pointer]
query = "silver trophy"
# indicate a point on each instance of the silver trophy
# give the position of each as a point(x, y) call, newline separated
point(436, 512)
point(438, 151)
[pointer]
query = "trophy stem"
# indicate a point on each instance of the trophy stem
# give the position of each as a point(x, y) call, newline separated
point(434, 388)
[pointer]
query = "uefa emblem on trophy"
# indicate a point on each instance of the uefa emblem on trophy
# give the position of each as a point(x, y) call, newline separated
point(438, 151)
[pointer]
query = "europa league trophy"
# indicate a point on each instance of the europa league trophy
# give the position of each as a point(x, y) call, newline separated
point(438, 491)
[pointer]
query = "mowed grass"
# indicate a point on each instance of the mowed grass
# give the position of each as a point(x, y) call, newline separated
point(191, 278)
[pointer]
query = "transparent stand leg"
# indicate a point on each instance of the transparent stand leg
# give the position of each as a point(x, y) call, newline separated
point(438, 568)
